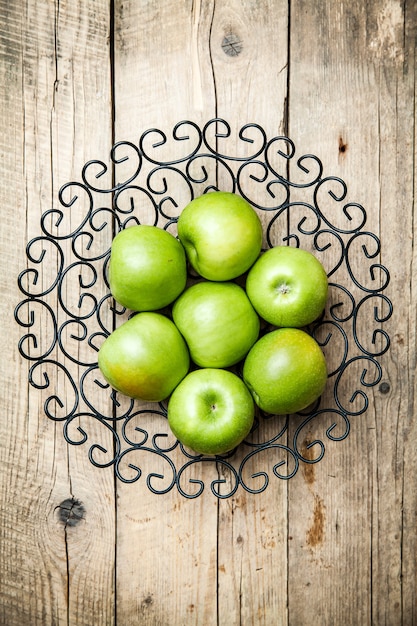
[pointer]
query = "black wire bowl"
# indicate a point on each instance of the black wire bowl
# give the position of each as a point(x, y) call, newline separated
point(65, 290)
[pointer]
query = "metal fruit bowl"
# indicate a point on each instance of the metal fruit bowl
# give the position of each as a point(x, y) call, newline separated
point(65, 290)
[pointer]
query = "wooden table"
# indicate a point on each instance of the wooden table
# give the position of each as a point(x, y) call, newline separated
point(334, 545)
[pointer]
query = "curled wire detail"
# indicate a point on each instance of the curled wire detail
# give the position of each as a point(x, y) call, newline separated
point(67, 310)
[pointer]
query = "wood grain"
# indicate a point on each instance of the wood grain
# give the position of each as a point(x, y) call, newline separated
point(54, 570)
point(336, 543)
point(252, 533)
point(358, 83)
point(162, 67)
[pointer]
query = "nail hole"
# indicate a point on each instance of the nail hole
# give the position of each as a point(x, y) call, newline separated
point(342, 146)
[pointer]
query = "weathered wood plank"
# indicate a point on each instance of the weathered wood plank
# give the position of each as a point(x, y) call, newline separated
point(252, 528)
point(357, 82)
point(394, 495)
point(55, 567)
point(166, 544)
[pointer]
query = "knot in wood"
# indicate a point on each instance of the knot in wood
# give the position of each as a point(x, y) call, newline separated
point(232, 45)
point(70, 512)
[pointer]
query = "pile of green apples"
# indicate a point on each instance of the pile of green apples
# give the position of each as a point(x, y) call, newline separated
point(185, 337)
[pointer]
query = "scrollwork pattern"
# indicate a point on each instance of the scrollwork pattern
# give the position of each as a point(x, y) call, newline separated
point(67, 310)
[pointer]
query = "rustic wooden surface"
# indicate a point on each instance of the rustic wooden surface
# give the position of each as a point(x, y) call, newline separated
point(336, 544)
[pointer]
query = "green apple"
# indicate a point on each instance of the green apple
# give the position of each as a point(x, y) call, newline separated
point(287, 286)
point(285, 371)
point(211, 411)
point(221, 234)
point(148, 268)
point(145, 358)
point(217, 321)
